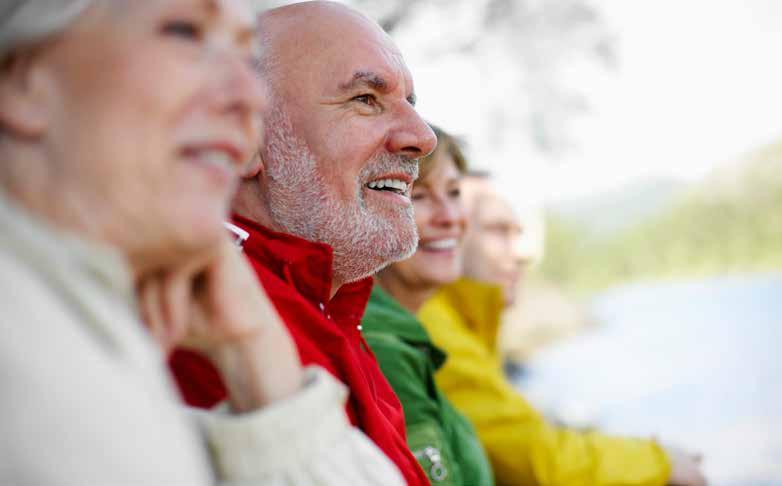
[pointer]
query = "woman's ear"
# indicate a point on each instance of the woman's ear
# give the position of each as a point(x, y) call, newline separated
point(24, 96)
point(252, 168)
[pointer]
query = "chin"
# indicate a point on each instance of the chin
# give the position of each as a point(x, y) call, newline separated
point(201, 229)
point(440, 278)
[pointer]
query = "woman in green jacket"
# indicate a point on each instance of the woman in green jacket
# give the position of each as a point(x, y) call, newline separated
point(442, 439)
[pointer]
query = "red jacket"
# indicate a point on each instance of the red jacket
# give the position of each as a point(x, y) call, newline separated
point(297, 276)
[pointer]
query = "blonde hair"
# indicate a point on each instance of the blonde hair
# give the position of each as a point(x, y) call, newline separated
point(25, 22)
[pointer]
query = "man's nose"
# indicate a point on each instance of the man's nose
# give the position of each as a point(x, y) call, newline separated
point(412, 136)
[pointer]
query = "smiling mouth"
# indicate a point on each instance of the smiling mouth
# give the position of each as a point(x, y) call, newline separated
point(396, 186)
point(446, 244)
point(211, 158)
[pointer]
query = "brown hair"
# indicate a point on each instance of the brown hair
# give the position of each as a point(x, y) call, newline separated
point(446, 144)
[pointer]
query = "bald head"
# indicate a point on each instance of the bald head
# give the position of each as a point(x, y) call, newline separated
point(341, 117)
point(310, 14)
point(474, 188)
point(311, 36)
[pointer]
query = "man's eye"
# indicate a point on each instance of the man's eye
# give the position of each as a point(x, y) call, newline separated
point(455, 193)
point(417, 196)
point(366, 99)
point(184, 29)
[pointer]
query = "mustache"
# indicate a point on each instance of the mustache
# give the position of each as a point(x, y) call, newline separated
point(389, 163)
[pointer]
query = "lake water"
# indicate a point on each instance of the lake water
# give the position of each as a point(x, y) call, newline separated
point(697, 364)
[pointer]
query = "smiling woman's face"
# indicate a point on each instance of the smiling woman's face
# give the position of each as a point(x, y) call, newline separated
point(151, 106)
point(440, 220)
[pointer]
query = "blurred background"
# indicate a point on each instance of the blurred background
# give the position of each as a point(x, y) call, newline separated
point(640, 142)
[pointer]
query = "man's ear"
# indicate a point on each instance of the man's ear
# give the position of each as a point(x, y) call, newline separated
point(24, 96)
point(255, 166)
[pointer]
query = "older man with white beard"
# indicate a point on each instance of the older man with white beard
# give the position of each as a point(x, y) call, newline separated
point(327, 201)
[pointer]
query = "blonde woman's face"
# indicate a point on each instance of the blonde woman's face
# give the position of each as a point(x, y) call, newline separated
point(153, 106)
point(440, 220)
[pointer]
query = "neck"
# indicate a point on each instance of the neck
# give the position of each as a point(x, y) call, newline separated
point(249, 202)
point(52, 195)
point(410, 297)
point(44, 192)
point(335, 286)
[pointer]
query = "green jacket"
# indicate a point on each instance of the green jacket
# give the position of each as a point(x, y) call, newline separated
point(444, 442)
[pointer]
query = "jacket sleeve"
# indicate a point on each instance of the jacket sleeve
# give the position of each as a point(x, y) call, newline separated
point(305, 439)
point(411, 376)
point(522, 446)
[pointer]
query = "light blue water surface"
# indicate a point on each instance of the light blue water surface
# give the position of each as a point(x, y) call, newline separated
point(695, 363)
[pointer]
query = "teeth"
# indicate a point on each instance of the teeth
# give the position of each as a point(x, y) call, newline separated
point(391, 183)
point(446, 244)
point(216, 157)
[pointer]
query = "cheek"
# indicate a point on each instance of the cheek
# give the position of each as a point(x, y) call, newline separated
point(434, 268)
point(496, 253)
point(154, 111)
point(421, 216)
point(343, 150)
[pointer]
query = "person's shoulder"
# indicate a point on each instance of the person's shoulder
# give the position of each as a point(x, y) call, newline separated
point(392, 351)
point(438, 313)
point(380, 339)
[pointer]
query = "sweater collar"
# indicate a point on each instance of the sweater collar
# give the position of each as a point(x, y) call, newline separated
point(308, 267)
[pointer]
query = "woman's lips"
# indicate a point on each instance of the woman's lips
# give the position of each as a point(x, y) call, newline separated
point(218, 156)
point(218, 163)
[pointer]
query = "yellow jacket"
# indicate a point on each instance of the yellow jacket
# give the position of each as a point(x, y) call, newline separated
point(524, 449)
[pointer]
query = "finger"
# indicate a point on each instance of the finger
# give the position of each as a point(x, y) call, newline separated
point(150, 307)
point(181, 291)
point(215, 279)
point(177, 297)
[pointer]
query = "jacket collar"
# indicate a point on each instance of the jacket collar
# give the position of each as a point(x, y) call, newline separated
point(308, 267)
point(386, 316)
point(480, 305)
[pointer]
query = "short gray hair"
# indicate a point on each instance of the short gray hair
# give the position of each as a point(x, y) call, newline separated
point(24, 22)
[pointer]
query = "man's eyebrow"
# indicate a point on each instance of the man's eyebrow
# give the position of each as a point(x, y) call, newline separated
point(371, 80)
point(365, 78)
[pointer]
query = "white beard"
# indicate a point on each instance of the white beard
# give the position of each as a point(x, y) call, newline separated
point(301, 203)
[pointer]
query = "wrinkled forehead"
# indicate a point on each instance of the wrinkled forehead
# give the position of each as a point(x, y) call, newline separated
point(371, 61)
point(327, 51)
point(474, 188)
